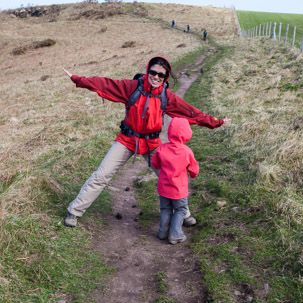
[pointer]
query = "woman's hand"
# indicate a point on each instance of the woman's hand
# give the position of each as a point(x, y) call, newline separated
point(226, 120)
point(67, 72)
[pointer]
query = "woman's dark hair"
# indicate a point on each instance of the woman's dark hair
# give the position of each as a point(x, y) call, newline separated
point(162, 62)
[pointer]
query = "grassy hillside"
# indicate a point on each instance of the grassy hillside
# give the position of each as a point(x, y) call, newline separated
point(53, 136)
point(249, 19)
point(251, 247)
point(248, 195)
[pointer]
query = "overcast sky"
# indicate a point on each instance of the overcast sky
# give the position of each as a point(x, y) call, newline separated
point(275, 6)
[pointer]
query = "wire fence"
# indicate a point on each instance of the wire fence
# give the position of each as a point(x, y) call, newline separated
point(269, 29)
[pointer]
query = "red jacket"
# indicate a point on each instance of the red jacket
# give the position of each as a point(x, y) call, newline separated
point(120, 91)
point(175, 159)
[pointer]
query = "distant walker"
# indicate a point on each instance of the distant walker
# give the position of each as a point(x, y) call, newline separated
point(204, 34)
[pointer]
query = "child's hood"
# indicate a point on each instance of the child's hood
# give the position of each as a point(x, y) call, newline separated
point(179, 131)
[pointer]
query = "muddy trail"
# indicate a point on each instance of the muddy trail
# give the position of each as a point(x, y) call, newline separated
point(140, 259)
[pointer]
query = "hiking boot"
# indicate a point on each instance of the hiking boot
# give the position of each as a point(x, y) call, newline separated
point(173, 242)
point(162, 237)
point(189, 221)
point(70, 220)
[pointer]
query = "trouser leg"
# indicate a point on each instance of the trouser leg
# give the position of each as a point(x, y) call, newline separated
point(166, 213)
point(180, 209)
point(145, 156)
point(116, 157)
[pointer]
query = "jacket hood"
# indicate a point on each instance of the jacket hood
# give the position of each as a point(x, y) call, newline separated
point(179, 131)
point(147, 68)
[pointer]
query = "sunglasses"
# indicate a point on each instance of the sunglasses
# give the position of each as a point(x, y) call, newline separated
point(154, 73)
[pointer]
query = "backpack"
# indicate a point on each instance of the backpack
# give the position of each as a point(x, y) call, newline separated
point(139, 90)
point(126, 130)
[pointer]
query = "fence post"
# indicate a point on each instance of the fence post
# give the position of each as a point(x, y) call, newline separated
point(286, 33)
point(266, 29)
point(259, 30)
point(263, 29)
point(273, 35)
point(302, 44)
point(256, 31)
point(293, 37)
point(269, 29)
point(280, 28)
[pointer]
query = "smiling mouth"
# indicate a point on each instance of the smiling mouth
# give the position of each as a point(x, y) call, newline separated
point(155, 80)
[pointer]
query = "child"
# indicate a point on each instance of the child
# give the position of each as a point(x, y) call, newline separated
point(174, 159)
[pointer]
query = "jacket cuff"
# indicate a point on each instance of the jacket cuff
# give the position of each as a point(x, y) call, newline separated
point(74, 78)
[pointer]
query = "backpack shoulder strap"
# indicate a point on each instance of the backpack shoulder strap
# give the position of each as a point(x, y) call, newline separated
point(137, 92)
point(164, 97)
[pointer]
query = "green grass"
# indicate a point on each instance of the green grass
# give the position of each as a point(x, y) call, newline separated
point(162, 288)
point(149, 203)
point(242, 246)
point(239, 244)
point(39, 268)
point(249, 19)
point(41, 260)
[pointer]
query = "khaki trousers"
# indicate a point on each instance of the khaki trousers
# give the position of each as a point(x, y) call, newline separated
point(115, 158)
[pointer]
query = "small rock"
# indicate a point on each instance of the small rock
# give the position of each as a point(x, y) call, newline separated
point(118, 216)
point(266, 287)
point(13, 120)
point(127, 189)
point(221, 203)
point(45, 77)
point(249, 299)
point(134, 206)
point(237, 293)
point(235, 209)
point(146, 178)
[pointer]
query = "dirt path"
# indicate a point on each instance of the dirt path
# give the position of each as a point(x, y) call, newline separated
point(139, 256)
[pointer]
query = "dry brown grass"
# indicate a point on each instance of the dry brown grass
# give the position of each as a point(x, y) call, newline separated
point(43, 112)
point(221, 27)
point(266, 115)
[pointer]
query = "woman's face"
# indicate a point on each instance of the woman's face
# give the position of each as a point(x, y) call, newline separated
point(156, 75)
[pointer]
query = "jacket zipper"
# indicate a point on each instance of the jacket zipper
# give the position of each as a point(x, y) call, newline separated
point(192, 113)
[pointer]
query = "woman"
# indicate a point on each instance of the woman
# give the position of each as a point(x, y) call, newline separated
point(140, 128)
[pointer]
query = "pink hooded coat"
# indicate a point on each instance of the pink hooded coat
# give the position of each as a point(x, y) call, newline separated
point(175, 159)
